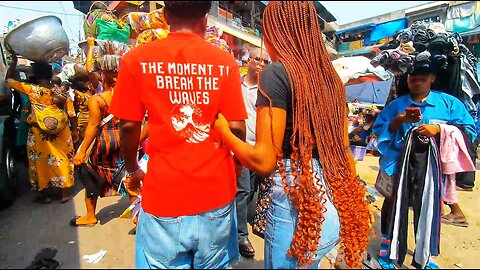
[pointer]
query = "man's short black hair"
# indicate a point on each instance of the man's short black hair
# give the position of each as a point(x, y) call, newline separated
point(187, 9)
point(42, 71)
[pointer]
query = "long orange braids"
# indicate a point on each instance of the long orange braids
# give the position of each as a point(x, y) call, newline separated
point(319, 113)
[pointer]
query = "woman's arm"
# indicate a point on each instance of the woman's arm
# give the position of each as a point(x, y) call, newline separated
point(261, 157)
point(11, 82)
point(89, 60)
point(11, 68)
point(94, 120)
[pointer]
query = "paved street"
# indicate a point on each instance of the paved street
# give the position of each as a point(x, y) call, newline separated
point(26, 228)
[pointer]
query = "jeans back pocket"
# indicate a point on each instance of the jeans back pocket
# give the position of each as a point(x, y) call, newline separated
point(160, 237)
point(222, 224)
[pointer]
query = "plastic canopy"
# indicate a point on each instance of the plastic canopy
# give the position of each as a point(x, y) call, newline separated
point(387, 29)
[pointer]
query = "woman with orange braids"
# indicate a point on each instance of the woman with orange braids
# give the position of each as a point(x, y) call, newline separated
point(317, 200)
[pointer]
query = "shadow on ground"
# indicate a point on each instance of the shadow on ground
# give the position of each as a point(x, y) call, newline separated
point(27, 227)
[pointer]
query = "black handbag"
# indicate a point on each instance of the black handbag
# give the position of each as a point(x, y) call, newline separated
point(118, 176)
point(93, 182)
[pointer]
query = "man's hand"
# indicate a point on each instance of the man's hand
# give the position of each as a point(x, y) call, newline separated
point(429, 130)
point(134, 184)
point(401, 119)
point(409, 119)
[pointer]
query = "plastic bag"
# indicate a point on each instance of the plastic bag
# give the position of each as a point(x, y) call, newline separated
point(89, 22)
point(150, 35)
point(372, 144)
point(113, 31)
point(213, 35)
point(141, 21)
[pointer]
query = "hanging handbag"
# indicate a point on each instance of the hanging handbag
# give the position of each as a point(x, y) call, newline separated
point(384, 185)
point(118, 176)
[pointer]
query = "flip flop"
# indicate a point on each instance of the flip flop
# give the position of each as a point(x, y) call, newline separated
point(452, 221)
point(73, 223)
point(385, 263)
point(431, 265)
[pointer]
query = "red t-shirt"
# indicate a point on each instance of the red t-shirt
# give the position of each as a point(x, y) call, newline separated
point(183, 82)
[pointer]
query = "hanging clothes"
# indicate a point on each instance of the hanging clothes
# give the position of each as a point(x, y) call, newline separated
point(419, 186)
point(455, 158)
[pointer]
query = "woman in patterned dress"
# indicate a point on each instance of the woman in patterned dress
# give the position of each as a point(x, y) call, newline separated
point(105, 156)
point(83, 90)
point(50, 156)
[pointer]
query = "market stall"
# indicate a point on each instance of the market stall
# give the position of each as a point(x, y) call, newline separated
point(455, 66)
point(367, 89)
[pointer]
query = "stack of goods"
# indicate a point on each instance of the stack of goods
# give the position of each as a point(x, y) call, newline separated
point(102, 24)
point(419, 44)
point(430, 46)
point(149, 26)
point(107, 56)
point(213, 36)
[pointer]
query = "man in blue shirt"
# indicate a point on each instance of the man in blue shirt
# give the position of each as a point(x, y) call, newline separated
point(393, 124)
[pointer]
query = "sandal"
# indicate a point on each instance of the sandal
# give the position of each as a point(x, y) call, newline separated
point(73, 223)
point(431, 265)
point(245, 247)
point(450, 220)
point(385, 263)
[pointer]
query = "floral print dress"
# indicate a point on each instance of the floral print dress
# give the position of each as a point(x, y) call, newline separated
point(50, 156)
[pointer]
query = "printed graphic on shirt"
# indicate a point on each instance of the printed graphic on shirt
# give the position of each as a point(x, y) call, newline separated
point(187, 121)
point(189, 86)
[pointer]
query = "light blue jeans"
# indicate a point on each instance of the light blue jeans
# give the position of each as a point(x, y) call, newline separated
point(206, 241)
point(282, 219)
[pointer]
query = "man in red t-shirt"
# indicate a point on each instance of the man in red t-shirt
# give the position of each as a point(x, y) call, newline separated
point(188, 218)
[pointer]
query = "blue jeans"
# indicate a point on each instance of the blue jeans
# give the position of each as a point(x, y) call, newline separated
point(282, 219)
point(207, 240)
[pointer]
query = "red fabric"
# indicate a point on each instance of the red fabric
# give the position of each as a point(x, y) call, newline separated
point(187, 172)
point(363, 79)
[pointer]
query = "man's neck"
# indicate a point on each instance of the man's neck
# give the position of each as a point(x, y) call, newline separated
point(188, 29)
point(420, 98)
point(251, 80)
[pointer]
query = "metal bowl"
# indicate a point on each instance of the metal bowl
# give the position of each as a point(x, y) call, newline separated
point(41, 40)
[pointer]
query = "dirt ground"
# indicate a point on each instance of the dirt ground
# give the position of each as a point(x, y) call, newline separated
point(26, 228)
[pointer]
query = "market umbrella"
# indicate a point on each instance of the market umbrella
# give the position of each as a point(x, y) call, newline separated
point(373, 92)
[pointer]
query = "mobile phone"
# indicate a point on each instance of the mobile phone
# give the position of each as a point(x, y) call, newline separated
point(413, 112)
